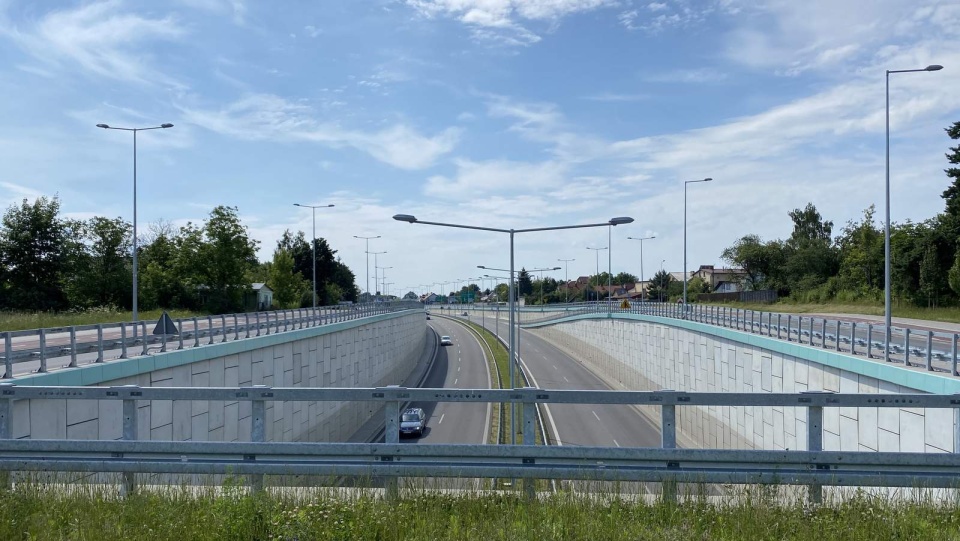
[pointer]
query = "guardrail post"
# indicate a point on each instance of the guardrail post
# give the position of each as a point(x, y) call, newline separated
point(814, 443)
point(853, 337)
point(391, 434)
point(956, 426)
point(163, 341)
point(929, 351)
point(123, 340)
point(257, 321)
point(869, 340)
point(99, 343)
point(530, 435)
point(258, 432)
point(8, 355)
point(196, 333)
point(180, 334)
point(266, 316)
point(837, 336)
point(209, 330)
point(129, 485)
point(789, 327)
point(779, 324)
point(286, 320)
point(43, 351)
point(6, 427)
point(236, 327)
point(811, 332)
point(906, 346)
point(953, 361)
point(145, 343)
point(73, 347)
point(668, 440)
point(823, 333)
point(799, 329)
point(223, 327)
point(246, 324)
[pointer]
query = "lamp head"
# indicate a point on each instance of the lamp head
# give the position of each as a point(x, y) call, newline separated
point(104, 126)
point(166, 125)
point(556, 268)
point(405, 218)
point(480, 267)
point(708, 179)
point(621, 220)
point(933, 67)
point(297, 205)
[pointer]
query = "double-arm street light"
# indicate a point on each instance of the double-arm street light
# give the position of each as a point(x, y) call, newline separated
point(886, 224)
point(136, 315)
point(641, 239)
point(566, 279)
point(383, 278)
point(512, 341)
point(376, 281)
point(708, 179)
point(367, 251)
point(597, 251)
point(313, 243)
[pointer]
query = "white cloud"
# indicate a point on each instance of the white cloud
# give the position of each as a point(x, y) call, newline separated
point(503, 20)
point(699, 75)
point(496, 176)
point(312, 31)
point(101, 38)
point(270, 117)
point(614, 97)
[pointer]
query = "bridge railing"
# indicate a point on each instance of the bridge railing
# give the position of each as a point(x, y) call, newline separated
point(813, 467)
point(935, 351)
point(108, 341)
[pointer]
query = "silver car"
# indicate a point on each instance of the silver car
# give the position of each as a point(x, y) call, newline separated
point(412, 422)
point(446, 341)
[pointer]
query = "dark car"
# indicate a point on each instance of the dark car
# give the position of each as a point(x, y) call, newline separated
point(465, 314)
point(412, 422)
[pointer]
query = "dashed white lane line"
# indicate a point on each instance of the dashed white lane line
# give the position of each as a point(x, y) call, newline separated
point(441, 422)
point(565, 379)
point(458, 369)
point(614, 441)
point(455, 381)
point(595, 414)
point(554, 367)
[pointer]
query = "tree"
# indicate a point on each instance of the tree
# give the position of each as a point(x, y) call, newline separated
point(104, 278)
point(861, 255)
point(625, 278)
point(288, 286)
point(226, 256)
point(410, 296)
point(695, 286)
point(525, 284)
point(758, 260)
point(36, 253)
point(659, 286)
point(951, 195)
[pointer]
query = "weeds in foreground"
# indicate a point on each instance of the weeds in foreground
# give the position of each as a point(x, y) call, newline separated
point(53, 512)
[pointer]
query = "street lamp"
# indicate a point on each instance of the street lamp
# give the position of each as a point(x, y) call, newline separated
point(886, 224)
point(641, 239)
point(597, 251)
point(662, 286)
point(376, 281)
point(383, 278)
point(566, 280)
point(708, 179)
point(314, 208)
point(136, 316)
point(513, 358)
point(367, 251)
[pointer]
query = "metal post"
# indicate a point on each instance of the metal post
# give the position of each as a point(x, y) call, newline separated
point(779, 321)
point(129, 434)
point(815, 443)
point(6, 424)
point(789, 327)
point(223, 327)
point(8, 355)
point(196, 333)
point(143, 325)
point(837, 336)
point(43, 351)
point(236, 327)
point(258, 433)
point(823, 334)
point(180, 334)
point(209, 330)
point(869, 340)
point(929, 351)
point(163, 341)
point(530, 438)
point(668, 440)
point(392, 435)
point(853, 337)
point(73, 347)
point(246, 324)
point(512, 348)
point(906, 346)
point(953, 360)
point(257, 314)
point(123, 340)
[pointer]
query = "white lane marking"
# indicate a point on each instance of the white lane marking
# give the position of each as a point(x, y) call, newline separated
point(565, 379)
point(455, 381)
point(614, 441)
point(553, 424)
point(458, 369)
point(554, 367)
point(595, 414)
point(441, 422)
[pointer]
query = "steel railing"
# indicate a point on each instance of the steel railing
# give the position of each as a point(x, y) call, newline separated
point(935, 351)
point(108, 341)
point(813, 467)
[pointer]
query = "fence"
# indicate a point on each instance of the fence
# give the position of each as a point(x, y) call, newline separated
point(934, 351)
point(812, 467)
point(766, 296)
point(132, 339)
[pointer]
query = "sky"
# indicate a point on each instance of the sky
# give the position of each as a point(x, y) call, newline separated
point(492, 113)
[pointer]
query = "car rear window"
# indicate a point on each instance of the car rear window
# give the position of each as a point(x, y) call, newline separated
point(411, 417)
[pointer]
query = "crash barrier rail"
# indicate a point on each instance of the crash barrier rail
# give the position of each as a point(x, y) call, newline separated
point(936, 351)
point(132, 339)
point(813, 467)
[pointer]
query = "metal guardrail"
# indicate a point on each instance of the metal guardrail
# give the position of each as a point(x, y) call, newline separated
point(934, 351)
point(813, 467)
point(132, 339)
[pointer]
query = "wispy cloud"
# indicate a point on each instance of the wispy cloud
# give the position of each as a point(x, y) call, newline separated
point(698, 75)
point(101, 39)
point(269, 117)
point(614, 97)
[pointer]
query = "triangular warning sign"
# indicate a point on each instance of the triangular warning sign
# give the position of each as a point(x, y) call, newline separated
point(165, 325)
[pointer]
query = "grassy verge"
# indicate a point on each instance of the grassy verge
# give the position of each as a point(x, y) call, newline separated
point(18, 321)
point(949, 314)
point(38, 512)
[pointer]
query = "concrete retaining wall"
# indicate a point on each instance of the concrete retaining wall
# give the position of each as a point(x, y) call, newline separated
point(377, 351)
point(647, 353)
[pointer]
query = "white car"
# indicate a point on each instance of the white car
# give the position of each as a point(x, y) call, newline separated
point(446, 341)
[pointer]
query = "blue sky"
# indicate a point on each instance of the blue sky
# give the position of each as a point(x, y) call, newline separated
point(501, 113)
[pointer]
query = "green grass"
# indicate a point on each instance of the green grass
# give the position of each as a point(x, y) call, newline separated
point(18, 321)
point(29, 512)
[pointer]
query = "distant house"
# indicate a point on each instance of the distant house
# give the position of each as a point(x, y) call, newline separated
point(721, 280)
point(262, 298)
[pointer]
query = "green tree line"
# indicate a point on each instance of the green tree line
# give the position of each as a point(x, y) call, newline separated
point(813, 265)
point(52, 263)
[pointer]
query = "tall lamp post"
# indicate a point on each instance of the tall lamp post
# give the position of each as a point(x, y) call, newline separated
point(376, 281)
point(367, 251)
point(383, 279)
point(513, 358)
point(641, 239)
point(566, 280)
point(662, 285)
point(313, 243)
point(708, 179)
point(597, 251)
point(887, 311)
point(136, 314)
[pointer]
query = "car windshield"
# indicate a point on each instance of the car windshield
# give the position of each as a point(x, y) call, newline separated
point(411, 417)
point(444, 337)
